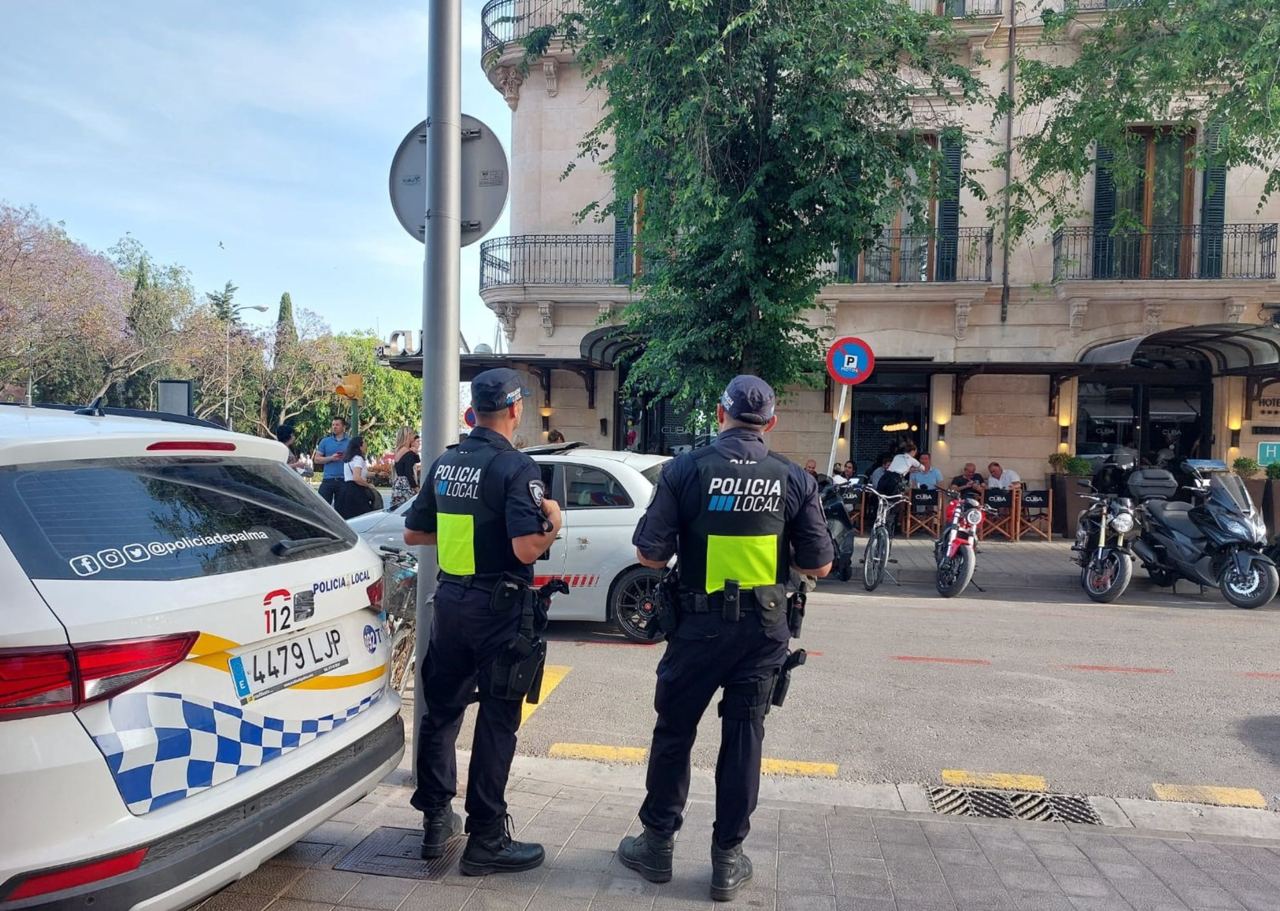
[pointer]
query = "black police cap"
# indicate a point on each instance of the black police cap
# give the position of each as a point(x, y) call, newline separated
point(496, 389)
point(748, 399)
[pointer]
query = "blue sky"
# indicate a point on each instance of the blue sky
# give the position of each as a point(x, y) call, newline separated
point(265, 126)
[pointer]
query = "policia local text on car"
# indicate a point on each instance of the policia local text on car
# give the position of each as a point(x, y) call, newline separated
point(483, 507)
point(739, 518)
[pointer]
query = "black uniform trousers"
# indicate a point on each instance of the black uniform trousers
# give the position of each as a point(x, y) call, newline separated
point(706, 653)
point(466, 636)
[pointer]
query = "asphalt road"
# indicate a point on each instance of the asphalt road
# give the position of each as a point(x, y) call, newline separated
point(1097, 699)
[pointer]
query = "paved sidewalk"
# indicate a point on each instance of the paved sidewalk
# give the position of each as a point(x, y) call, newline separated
point(811, 856)
point(1001, 564)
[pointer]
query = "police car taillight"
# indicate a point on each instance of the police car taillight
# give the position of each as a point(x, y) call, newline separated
point(43, 681)
point(78, 875)
point(191, 446)
point(375, 595)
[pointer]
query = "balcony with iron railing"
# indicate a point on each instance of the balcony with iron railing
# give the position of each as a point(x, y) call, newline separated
point(1238, 252)
point(957, 9)
point(576, 260)
point(506, 22)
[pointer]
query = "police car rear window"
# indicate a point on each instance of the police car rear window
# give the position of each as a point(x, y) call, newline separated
point(162, 519)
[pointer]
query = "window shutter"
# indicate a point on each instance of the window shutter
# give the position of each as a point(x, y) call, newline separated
point(1104, 215)
point(623, 242)
point(1213, 208)
point(949, 207)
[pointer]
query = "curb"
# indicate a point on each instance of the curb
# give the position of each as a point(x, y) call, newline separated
point(1165, 819)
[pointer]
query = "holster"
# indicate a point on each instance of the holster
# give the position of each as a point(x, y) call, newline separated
point(667, 596)
point(783, 681)
point(517, 672)
point(730, 605)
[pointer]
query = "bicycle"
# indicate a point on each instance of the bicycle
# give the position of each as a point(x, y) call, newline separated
point(400, 603)
point(879, 539)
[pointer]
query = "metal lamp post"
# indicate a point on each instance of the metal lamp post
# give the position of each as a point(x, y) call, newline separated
point(226, 400)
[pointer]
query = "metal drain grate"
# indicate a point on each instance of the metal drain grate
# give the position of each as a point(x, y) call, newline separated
point(1026, 805)
point(391, 851)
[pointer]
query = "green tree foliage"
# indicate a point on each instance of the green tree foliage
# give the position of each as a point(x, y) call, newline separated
point(1186, 63)
point(286, 330)
point(764, 135)
point(223, 302)
point(392, 398)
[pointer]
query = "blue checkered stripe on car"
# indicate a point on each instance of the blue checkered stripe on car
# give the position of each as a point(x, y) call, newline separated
point(162, 747)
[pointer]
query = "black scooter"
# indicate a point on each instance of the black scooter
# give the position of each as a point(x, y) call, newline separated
point(1217, 540)
point(838, 502)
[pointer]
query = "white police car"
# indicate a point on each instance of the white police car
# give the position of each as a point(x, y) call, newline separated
point(603, 494)
point(191, 672)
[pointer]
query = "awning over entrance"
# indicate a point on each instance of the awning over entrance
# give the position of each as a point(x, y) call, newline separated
point(606, 345)
point(1231, 349)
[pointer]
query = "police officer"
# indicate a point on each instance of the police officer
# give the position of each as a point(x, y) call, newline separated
point(484, 509)
point(740, 519)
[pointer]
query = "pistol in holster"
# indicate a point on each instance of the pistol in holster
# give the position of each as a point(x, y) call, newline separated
point(517, 672)
point(783, 681)
point(667, 602)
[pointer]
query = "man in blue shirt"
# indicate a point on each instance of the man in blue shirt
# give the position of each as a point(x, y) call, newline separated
point(329, 453)
point(928, 477)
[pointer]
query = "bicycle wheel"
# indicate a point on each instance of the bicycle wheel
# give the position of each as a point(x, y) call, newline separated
point(402, 658)
point(874, 558)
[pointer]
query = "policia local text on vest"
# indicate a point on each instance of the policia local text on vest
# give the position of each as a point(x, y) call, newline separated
point(740, 519)
point(483, 507)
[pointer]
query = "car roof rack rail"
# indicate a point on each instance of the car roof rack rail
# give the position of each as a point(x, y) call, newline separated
point(97, 409)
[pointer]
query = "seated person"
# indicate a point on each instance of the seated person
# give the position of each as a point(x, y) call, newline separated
point(1002, 478)
point(893, 477)
point(928, 477)
point(969, 480)
point(877, 469)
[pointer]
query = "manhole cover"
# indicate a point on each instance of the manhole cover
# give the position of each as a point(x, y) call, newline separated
point(391, 851)
point(1030, 806)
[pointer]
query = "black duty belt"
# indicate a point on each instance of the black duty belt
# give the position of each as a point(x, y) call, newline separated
point(486, 582)
point(698, 603)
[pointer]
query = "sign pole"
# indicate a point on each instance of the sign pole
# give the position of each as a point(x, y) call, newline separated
point(835, 431)
point(440, 272)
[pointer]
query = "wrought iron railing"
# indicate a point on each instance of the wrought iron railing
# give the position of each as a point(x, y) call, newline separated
point(505, 21)
point(907, 256)
point(957, 8)
point(555, 259)
point(1170, 252)
point(1086, 6)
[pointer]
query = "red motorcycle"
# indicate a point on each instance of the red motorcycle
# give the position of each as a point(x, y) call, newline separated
point(953, 550)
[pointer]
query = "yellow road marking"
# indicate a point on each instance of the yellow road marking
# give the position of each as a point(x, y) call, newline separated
point(597, 751)
point(797, 767)
point(962, 778)
point(1223, 797)
point(552, 674)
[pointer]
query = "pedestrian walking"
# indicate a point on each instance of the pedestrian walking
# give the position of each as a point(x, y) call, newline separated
point(486, 512)
point(329, 452)
point(740, 518)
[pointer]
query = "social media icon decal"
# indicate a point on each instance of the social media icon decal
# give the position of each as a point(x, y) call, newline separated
point(111, 558)
point(85, 565)
point(137, 552)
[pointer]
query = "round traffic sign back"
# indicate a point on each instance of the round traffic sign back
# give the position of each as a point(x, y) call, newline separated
point(850, 361)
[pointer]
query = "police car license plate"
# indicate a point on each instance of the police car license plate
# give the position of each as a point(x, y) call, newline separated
point(268, 670)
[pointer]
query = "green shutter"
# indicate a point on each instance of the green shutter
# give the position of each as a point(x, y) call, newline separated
point(952, 146)
point(1104, 215)
point(623, 242)
point(1213, 208)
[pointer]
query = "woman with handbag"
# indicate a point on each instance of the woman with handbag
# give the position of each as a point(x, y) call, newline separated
point(406, 466)
point(358, 495)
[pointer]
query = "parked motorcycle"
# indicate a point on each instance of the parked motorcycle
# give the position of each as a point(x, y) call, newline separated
point(1218, 540)
point(1102, 545)
point(953, 550)
point(838, 503)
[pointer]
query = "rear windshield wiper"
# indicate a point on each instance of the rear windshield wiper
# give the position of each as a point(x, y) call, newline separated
point(297, 545)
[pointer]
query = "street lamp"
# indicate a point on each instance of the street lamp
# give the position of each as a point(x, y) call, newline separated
point(226, 400)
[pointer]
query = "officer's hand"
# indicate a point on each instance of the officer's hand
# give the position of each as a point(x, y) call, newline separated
point(551, 509)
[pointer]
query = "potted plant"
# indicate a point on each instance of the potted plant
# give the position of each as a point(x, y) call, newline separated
point(1068, 495)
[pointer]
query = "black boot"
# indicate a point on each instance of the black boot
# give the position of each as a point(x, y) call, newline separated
point(730, 868)
point(496, 852)
point(649, 854)
point(437, 829)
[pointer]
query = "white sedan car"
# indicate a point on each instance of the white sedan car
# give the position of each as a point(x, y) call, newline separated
point(603, 495)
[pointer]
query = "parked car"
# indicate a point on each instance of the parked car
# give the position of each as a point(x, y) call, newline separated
point(192, 675)
point(603, 495)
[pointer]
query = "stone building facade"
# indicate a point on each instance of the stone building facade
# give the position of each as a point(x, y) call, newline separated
point(977, 367)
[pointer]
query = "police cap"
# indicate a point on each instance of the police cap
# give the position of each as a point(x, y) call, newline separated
point(496, 389)
point(748, 399)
